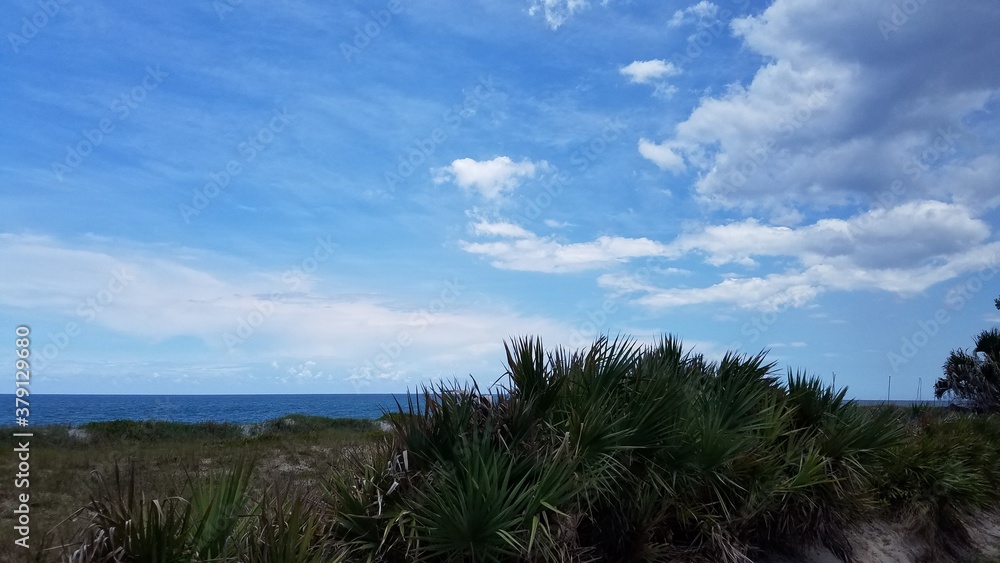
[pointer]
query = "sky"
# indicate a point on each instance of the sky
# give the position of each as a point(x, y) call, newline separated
point(238, 196)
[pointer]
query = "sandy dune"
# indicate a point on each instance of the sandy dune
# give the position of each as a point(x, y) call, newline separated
point(883, 542)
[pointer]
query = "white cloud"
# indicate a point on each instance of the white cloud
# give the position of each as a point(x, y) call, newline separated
point(699, 12)
point(305, 371)
point(652, 72)
point(903, 250)
point(529, 252)
point(661, 155)
point(556, 12)
point(905, 236)
point(168, 298)
point(768, 293)
point(795, 289)
point(490, 178)
point(502, 229)
point(664, 91)
point(644, 72)
point(841, 112)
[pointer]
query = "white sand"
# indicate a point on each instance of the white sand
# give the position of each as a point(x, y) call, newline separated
point(881, 542)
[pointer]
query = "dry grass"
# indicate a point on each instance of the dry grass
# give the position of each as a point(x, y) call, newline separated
point(63, 467)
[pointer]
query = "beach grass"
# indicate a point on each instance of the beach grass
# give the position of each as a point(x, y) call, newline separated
point(66, 462)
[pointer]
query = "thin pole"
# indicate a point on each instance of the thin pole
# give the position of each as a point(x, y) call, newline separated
point(889, 390)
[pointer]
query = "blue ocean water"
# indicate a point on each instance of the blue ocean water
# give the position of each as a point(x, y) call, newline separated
point(80, 409)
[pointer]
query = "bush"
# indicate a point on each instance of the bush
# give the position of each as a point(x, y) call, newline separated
point(617, 452)
point(948, 467)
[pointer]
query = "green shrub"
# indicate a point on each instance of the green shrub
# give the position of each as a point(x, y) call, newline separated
point(634, 453)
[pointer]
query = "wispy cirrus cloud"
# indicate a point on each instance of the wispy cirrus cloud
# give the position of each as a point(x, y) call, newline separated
point(556, 12)
point(252, 318)
point(519, 249)
point(696, 13)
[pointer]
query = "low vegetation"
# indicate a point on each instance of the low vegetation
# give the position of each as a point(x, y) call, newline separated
point(163, 459)
point(618, 452)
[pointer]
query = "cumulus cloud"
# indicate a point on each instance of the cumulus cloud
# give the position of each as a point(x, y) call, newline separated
point(652, 72)
point(490, 178)
point(661, 155)
point(847, 106)
point(644, 72)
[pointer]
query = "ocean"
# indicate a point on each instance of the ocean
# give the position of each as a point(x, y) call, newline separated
point(75, 410)
point(80, 409)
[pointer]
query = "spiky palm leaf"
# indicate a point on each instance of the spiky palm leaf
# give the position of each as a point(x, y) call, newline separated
point(974, 377)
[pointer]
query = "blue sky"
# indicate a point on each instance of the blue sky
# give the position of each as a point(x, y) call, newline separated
point(296, 197)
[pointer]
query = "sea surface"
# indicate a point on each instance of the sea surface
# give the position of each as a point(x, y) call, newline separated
point(81, 409)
